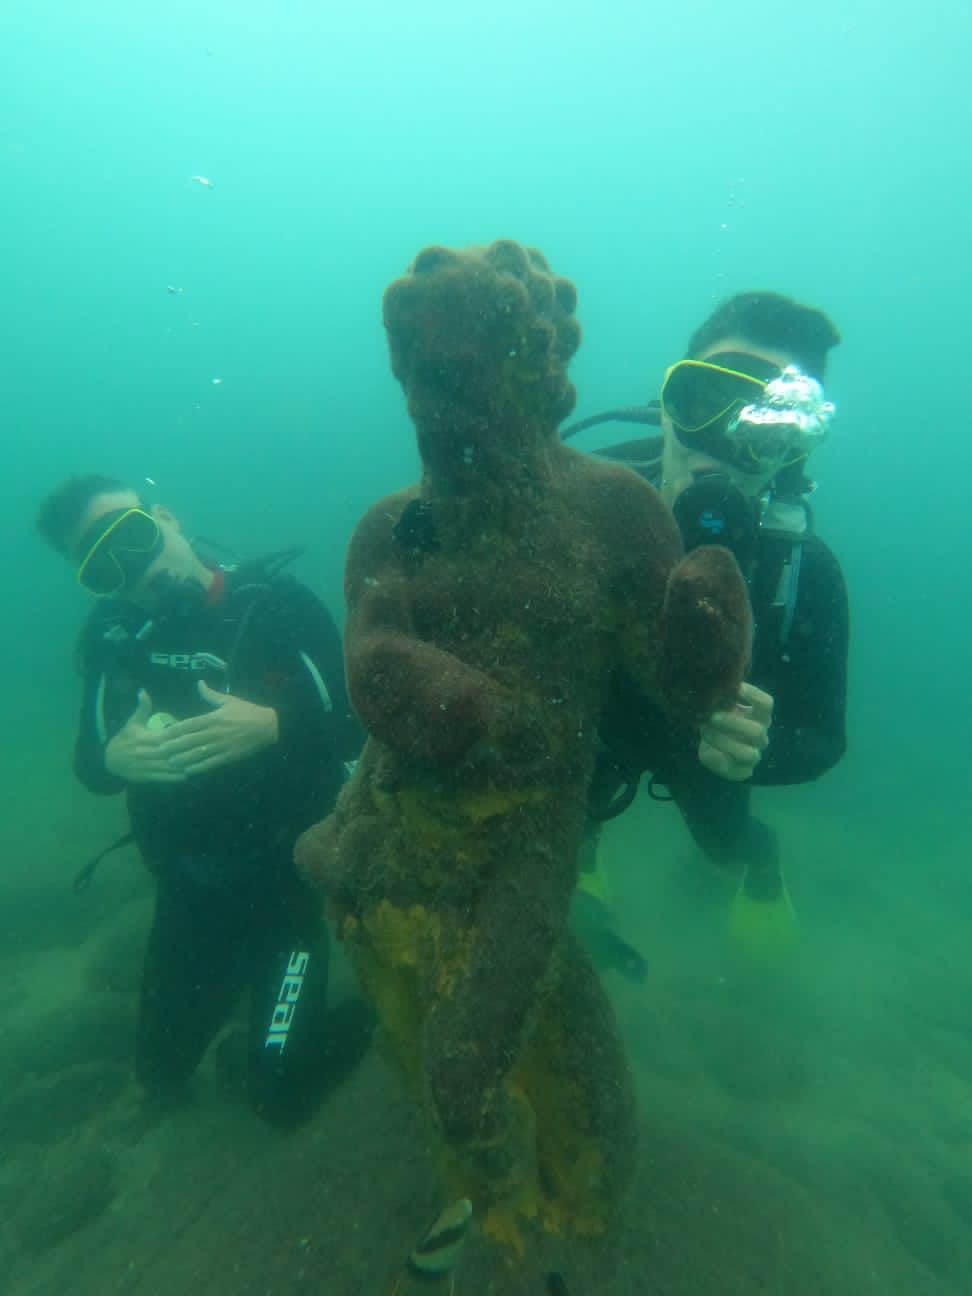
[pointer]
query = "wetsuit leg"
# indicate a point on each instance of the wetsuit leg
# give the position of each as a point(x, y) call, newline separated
point(718, 813)
point(190, 978)
point(297, 1050)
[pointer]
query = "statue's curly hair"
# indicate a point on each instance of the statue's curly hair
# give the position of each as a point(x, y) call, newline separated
point(482, 324)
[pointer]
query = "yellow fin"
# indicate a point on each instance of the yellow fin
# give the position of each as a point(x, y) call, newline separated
point(595, 884)
point(765, 931)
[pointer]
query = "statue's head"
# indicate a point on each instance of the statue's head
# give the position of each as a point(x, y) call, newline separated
point(480, 341)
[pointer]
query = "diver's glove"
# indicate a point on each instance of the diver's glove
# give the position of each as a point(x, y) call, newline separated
point(763, 924)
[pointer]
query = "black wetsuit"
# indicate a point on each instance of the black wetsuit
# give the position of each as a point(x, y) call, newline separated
point(800, 658)
point(230, 911)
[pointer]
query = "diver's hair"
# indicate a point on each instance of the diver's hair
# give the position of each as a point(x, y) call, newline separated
point(771, 320)
point(63, 509)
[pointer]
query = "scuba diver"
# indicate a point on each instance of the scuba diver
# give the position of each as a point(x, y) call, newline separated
point(739, 418)
point(214, 697)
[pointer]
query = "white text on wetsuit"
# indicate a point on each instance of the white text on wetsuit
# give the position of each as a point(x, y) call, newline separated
point(287, 996)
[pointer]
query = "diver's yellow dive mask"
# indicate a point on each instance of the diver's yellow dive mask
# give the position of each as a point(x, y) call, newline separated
point(118, 549)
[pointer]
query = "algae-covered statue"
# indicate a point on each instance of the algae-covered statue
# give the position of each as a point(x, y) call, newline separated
point(488, 606)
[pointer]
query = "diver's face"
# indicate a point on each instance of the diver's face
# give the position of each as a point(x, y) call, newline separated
point(682, 466)
point(176, 559)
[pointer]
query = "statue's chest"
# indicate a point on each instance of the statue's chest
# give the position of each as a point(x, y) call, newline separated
point(526, 592)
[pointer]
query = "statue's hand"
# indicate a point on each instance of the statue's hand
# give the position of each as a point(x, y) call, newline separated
point(514, 735)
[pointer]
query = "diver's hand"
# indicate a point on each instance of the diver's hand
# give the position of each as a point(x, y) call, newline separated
point(732, 742)
point(234, 729)
point(135, 753)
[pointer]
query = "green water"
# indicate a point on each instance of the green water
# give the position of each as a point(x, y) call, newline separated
point(662, 158)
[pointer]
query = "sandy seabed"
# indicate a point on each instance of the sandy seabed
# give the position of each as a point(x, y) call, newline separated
point(804, 1132)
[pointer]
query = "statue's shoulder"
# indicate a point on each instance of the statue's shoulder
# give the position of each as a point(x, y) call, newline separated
point(612, 489)
point(376, 527)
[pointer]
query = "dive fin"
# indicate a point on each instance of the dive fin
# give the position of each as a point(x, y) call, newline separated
point(764, 930)
point(432, 1263)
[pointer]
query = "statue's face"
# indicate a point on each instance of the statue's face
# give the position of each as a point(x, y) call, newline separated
point(476, 357)
point(454, 333)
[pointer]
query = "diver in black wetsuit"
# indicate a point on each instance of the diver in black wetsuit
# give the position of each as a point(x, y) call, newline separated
point(739, 418)
point(215, 698)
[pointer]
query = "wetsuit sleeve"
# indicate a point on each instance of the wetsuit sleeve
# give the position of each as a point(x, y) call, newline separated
point(93, 732)
point(717, 811)
point(808, 677)
point(638, 736)
point(306, 657)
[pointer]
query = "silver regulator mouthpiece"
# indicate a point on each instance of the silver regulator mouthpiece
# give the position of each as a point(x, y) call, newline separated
point(790, 419)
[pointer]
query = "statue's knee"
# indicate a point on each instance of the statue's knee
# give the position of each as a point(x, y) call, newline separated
point(457, 1094)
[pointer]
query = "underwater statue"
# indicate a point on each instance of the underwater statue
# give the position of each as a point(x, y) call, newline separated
point(487, 608)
